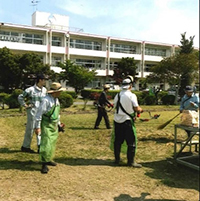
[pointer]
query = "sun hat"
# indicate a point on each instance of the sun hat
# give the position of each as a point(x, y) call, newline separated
point(56, 87)
point(106, 86)
point(126, 83)
point(189, 89)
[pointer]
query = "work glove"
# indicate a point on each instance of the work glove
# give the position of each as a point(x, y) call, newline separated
point(111, 105)
point(61, 127)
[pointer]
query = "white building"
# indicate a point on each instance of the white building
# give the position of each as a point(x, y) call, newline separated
point(51, 37)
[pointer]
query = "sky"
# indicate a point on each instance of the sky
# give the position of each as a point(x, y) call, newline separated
point(160, 21)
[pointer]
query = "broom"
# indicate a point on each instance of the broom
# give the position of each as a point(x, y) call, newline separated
point(166, 123)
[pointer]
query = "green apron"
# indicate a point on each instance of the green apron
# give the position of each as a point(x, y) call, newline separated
point(49, 134)
point(124, 145)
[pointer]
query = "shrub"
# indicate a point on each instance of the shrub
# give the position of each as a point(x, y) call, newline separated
point(72, 93)
point(150, 100)
point(12, 99)
point(94, 96)
point(85, 94)
point(65, 99)
point(140, 96)
point(168, 99)
point(3, 97)
point(161, 94)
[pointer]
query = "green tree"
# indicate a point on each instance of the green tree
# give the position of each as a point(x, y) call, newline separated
point(16, 69)
point(180, 69)
point(30, 65)
point(10, 71)
point(76, 76)
point(126, 66)
point(187, 54)
point(186, 44)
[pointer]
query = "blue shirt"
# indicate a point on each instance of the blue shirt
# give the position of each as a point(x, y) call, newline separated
point(186, 102)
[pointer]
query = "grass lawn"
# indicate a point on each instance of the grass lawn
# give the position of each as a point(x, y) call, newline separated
point(85, 169)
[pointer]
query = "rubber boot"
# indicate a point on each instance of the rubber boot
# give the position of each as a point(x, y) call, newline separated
point(131, 156)
point(44, 169)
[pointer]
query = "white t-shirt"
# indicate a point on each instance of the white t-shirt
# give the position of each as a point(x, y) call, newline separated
point(128, 100)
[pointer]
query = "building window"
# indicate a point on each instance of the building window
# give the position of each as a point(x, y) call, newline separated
point(9, 36)
point(113, 65)
point(148, 67)
point(33, 38)
point(21, 37)
point(85, 44)
point(155, 52)
point(93, 64)
point(127, 49)
point(55, 61)
point(56, 41)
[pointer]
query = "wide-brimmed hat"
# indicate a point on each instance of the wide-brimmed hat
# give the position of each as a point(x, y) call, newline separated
point(189, 89)
point(56, 87)
point(126, 83)
point(106, 86)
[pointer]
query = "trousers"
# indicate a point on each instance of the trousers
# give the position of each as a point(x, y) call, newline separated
point(102, 113)
point(30, 126)
point(124, 131)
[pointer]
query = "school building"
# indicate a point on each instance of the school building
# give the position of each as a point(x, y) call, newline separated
point(54, 41)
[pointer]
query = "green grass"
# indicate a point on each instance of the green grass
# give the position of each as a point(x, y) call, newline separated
point(85, 169)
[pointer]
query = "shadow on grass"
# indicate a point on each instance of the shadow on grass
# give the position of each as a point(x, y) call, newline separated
point(7, 164)
point(20, 165)
point(157, 139)
point(83, 128)
point(173, 175)
point(11, 151)
point(126, 197)
point(8, 151)
point(84, 161)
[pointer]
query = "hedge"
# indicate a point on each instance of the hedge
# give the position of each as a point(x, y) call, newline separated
point(143, 96)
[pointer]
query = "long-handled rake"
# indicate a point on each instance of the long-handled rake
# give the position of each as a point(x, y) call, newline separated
point(166, 123)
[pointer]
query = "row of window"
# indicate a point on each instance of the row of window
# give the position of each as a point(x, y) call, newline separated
point(85, 44)
point(92, 64)
point(21, 37)
point(156, 52)
point(128, 49)
point(79, 44)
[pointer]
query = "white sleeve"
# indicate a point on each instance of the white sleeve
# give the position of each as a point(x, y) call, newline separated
point(134, 100)
point(22, 96)
point(43, 108)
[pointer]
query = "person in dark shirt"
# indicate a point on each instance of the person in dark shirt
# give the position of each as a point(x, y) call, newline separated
point(103, 102)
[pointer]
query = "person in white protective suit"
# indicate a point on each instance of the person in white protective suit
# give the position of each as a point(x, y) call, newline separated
point(31, 99)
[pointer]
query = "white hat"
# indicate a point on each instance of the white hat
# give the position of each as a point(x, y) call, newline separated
point(56, 87)
point(130, 77)
point(126, 83)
